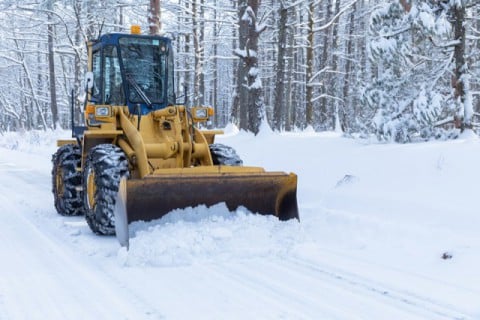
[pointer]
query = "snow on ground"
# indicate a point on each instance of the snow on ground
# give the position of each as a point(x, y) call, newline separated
point(387, 231)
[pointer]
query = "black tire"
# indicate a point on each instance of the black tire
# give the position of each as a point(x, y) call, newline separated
point(67, 180)
point(105, 165)
point(224, 155)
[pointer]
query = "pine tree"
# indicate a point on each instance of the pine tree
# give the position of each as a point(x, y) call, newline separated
point(408, 92)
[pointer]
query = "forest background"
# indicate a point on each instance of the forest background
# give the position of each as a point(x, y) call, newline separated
point(404, 70)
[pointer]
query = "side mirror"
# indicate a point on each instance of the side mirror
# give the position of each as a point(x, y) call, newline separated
point(89, 80)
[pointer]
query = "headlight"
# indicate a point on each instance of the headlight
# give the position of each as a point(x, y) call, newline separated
point(201, 113)
point(102, 111)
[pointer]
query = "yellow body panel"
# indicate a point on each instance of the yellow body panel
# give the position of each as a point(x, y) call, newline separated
point(210, 135)
point(66, 141)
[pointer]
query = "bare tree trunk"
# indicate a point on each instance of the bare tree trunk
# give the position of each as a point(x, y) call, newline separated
point(201, 72)
point(215, 67)
point(51, 67)
point(348, 72)
point(335, 113)
point(298, 92)
point(249, 33)
point(198, 26)
point(119, 19)
point(188, 78)
point(289, 110)
point(235, 112)
point(323, 65)
point(196, 49)
point(178, 85)
point(365, 71)
point(154, 17)
point(242, 93)
point(279, 101)
point(461, 70)
point(256, 107)
point(477, 48)
point(78, 91)
point(309, 69)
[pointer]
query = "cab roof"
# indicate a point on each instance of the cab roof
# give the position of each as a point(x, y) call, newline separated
point(113, 39)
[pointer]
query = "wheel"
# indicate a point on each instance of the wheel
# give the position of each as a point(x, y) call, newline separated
point(224, 155)
point(67, 180)
point(105, 165)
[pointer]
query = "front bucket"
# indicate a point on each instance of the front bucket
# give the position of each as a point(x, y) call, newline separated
point(267, 193)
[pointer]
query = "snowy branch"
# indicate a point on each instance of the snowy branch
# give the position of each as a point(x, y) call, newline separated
point(334, 19)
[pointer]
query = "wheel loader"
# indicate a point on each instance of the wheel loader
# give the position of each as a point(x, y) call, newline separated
point(141, 155)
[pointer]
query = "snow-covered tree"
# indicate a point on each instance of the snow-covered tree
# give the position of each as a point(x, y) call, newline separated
point(252, 108)
point(418, 49)
point(309, 67)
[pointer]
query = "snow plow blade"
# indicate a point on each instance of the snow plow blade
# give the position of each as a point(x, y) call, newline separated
point(150, 198)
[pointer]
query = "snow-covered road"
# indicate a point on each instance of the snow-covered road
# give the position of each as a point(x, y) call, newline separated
point(41, 276)
point(369, 246)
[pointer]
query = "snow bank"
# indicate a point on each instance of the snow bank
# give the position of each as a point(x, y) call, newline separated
point(198, 235)
point(33, 141)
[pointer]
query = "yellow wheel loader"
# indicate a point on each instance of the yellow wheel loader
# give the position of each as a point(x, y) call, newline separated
point(141, 155)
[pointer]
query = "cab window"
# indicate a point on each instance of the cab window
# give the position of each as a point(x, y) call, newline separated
point(113, 86)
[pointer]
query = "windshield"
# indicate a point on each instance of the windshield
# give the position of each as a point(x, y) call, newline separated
point(144, 61)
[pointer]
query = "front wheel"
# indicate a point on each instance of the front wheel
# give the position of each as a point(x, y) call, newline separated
point(67, 180)
point(106, 164)
point(224, 155)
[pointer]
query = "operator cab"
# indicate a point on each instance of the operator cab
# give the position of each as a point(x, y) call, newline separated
point(132, 70)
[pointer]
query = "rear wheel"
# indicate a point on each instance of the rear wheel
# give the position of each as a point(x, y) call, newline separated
point(67, 180)
point(106, 164)
point(224, 155)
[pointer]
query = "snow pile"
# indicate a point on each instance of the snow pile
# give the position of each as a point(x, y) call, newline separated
point(230, 130)
point(199, 235)
point(32, 141)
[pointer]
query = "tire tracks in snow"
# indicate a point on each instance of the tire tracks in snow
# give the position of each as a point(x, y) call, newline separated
point(94, 266)
point(310, 290)
point(389, 292)
point(45, 280)
point(41, 275)
point(280, 297)
point(418, 304)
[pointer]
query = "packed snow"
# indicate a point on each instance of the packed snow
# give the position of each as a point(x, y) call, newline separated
point(386, 231)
